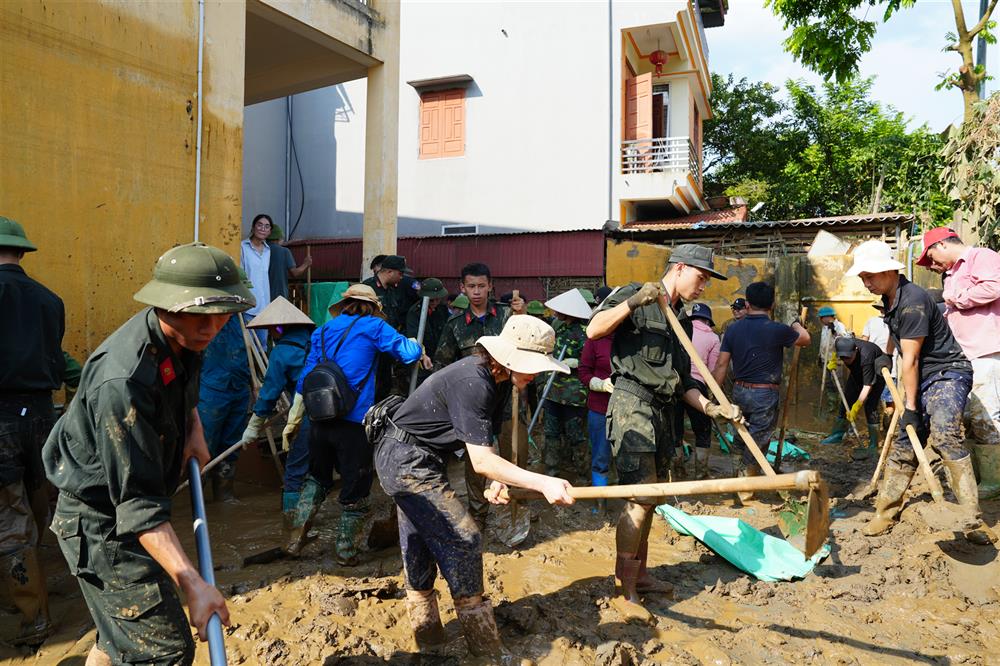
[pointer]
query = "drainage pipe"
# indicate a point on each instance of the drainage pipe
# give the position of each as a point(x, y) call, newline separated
point(197, 142)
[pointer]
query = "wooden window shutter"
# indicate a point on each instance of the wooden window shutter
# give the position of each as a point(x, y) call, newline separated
point(442, 124)
point(430, 125)
point(639, 107)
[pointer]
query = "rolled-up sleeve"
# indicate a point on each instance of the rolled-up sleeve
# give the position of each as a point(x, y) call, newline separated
point(131, 453)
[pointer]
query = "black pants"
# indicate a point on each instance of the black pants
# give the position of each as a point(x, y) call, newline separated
point(852, 391)
point(341, 445)
point(701, 425)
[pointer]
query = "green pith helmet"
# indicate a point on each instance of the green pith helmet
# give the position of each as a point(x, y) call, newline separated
point(536, 308)
point(196, 278)
point(588, 296)
point(432, 288)
point(461, 302)
point(12, 235)
point(276, 233)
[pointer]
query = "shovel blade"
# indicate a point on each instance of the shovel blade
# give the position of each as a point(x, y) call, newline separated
point(818, 518)
point(514, 525)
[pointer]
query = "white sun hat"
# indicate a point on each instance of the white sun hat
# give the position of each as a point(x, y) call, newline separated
point(570, 303)
point(280, 312)
point(874, 257)
point(524, 345)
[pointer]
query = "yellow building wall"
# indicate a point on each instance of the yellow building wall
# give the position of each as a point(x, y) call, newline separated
point(97, 149)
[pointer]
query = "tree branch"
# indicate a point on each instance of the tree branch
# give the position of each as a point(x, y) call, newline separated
point(956, 5)
point(984, 19)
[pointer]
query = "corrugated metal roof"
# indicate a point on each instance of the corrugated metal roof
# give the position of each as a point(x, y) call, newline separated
point(712, 217)
point(842, 220)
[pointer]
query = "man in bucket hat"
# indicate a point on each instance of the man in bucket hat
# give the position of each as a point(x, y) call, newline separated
point(118, 453)
point(936, 377)
point(650, 371)
point(457, 409)
point(31, 367)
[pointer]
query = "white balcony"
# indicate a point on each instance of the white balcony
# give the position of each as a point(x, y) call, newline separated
point(662, 169)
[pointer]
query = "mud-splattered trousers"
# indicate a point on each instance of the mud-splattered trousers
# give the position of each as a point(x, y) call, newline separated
point(25, 422)
point(436, 530)
point(137, 610)
point(760, 409)
point(942, 401)
point(565, 430)
point(640, 433)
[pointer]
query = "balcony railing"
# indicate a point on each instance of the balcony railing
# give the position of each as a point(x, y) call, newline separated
point(669, 153)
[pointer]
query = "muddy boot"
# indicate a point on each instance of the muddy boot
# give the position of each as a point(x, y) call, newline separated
point(627, 601)
point(701, 458)
point(836, 435)
point(989, 470)
point(646, 583)
point(310, 498)
point(288, 503)
point(352, 521)
point(678, 470)
point(962, 480)
point(475, 614)
point(425, 618)
point(872, 448)
point(748, 470)
point(27, 590)
point(889, 502)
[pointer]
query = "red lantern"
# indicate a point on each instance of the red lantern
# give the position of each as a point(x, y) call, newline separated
point(658, 59)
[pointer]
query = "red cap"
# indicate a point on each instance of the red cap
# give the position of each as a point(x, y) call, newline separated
point(935, 235)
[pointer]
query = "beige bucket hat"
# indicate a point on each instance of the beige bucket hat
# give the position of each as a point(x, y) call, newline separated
point(524, 345)
point(570, 303)
point(280, 312)
point(359, 292)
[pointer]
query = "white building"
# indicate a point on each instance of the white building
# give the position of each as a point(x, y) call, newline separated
point(513, 116)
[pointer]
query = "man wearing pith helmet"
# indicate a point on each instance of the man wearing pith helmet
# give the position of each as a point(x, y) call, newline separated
point(117, 456)
point(651, 372)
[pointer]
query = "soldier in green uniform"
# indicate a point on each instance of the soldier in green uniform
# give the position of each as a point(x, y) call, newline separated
point(116, 457)
point(651, 371)
point(565, 405)
point(437, 317)
point(395, 302)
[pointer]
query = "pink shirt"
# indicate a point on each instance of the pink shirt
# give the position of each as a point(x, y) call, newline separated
point(972, 297)
point(706, 343)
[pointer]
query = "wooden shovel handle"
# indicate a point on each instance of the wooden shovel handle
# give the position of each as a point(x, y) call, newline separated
point(936, 492)
point(788, 392)
point(668, 312)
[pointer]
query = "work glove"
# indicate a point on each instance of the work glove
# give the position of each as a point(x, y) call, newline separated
point(252, 433)
point(609, 386)
point(731, 414)
point(601, 385)
point(883, 361)
point(831, 365)
point(294, 421)
point(647, 293)
point(853, 414)
point(572, 362)
point(910, 417)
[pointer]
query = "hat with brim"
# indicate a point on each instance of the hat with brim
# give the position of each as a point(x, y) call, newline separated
point(845, 346)
point(698, 256)
point(432, 288)
point(12, 235)
point(394, 262)
point(280, 312)
point(524, 345)
point(932, 238)
point(359, 292)
point(873, 257)
point(198, 279)
point(570, 303)
point(461, 302)
point(702, 311)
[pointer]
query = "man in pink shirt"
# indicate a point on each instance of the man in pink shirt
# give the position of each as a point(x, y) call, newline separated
point(972, 300)
point(707, 344)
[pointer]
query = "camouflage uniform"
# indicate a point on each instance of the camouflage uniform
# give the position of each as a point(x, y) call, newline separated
point(566, 408)
point(395, 301)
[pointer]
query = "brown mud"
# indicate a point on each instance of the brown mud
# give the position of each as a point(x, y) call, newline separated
point(919, 594)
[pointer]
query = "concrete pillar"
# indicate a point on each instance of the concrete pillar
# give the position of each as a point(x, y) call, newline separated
point(382, 144)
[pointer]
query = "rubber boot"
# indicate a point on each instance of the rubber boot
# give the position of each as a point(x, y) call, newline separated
point(222, 483)
point(962, 480)
point(425, 618)
point(627, 600)
point(310, 498)
point(988, 458)
point(889, 502)
point(288, 503)
point(836, 435)
point(475, 614)
point(646, 583)
point(872, 448)
point(24, 579)
point(701, 457)
point(598, 480)
point(748, 470)
point(352, 521)
point(678, 470)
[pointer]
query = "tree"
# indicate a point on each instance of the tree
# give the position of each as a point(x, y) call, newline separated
point(828, 38)
point(831, 151)
point(971, 174)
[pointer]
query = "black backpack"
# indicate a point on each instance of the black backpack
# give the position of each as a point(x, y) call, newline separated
point(326, 393)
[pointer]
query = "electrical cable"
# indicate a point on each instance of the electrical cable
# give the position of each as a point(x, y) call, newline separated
point(298, 169)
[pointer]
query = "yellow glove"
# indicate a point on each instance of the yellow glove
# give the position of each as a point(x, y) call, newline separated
point(295, 414)
point(853, 414)
point(831, 365)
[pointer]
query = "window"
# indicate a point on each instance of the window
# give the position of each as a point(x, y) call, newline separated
point(442, 124)
point(459, 229)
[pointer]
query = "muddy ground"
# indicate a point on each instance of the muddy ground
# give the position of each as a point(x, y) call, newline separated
point(917, 595)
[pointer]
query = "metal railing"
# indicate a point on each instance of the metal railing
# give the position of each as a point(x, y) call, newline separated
point(669, 153)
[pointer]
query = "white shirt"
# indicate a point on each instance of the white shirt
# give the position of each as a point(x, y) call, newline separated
point(826, 339)
point(876, 331)
point(256, 263)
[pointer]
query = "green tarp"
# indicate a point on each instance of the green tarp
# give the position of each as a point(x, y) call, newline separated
point(761, 555)
point(788, 452)
point(322, 296)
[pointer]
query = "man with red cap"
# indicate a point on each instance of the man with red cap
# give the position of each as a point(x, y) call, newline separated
point(972, 310)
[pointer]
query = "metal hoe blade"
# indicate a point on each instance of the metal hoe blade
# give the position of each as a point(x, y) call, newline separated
point(818, 518)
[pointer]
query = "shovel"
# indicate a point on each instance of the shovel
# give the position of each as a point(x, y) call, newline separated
point(792, 375)
point(541, 401)
point(216, 646)
point(817, 513)
point(925, 466)
point(843, 400)
point(516, 523)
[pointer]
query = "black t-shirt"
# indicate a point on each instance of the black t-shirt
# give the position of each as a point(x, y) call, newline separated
point(916, 315)
point(458, 405)
point(756, 343)
point(863, 369)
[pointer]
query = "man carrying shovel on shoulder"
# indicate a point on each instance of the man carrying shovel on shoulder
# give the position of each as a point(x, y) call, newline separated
point(650, 371)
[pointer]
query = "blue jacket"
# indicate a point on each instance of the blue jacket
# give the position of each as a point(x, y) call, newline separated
point(284, 365)
point(358, 353)
point(224, 364)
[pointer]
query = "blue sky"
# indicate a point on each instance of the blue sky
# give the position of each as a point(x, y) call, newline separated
point(906, 56)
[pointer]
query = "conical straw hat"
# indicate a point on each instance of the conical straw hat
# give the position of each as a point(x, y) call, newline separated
point(280, 312)
point(570, 303)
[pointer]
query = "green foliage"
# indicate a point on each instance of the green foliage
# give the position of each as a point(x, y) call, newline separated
point(971, 173)
point(831, 151)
